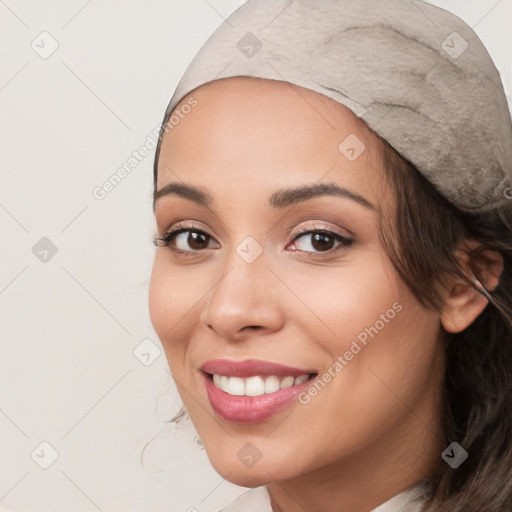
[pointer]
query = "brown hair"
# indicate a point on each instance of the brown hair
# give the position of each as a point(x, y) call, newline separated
point(420, 238)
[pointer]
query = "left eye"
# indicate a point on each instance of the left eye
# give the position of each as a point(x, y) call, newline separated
point(319, 241)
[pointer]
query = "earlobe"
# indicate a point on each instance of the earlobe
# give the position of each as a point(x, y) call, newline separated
point(464, 302)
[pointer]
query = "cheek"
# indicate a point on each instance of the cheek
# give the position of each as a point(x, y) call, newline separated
point(171, 302)
point(347, 300)
point(160, 301)
point(388, 361)
point(380, 344)
point(372, 392)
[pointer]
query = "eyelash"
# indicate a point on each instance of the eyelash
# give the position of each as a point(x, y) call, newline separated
point(165, 240)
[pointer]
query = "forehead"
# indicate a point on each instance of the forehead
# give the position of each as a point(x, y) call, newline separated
point(263, 103)
point(256, 132)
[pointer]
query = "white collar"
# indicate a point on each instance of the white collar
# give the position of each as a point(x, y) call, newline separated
point(258, 500)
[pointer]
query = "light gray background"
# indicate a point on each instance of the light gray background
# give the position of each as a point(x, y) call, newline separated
point(69, 326)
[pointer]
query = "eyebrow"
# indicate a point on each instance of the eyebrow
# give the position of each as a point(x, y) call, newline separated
point(278, 200)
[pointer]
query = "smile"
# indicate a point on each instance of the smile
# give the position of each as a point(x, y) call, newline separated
point(256, 386)
point(252, 391)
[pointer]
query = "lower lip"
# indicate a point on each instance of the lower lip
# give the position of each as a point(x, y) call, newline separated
point(251, 409)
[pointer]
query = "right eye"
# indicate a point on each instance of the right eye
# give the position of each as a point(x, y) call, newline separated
point(184, 240)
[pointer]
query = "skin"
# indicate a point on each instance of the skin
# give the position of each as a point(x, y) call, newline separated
point(374, 429)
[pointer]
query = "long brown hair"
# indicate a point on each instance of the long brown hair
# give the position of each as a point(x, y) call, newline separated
point(420, 237)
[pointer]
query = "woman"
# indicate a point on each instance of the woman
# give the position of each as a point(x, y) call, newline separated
point(332, 280)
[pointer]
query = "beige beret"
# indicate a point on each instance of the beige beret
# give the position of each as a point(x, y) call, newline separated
point(418, 75)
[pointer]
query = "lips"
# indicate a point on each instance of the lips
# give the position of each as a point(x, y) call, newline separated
point(252, 391)
point(250, 368)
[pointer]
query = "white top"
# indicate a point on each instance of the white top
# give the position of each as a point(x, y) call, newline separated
point(258, 500)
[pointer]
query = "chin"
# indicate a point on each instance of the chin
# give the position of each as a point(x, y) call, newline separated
point(256, 473)
point(249, 477)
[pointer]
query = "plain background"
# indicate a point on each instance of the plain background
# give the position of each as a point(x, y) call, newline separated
point(69, 325)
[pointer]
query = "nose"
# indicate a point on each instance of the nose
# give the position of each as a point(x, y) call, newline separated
point(244, 302)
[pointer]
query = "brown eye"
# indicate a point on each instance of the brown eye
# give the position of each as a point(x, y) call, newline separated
point(185, 240)
point(320, 241)
point(191, 240)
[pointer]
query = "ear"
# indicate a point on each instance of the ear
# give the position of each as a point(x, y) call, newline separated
point(464, 300)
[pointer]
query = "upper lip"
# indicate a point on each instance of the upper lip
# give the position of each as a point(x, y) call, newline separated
point(250, 368)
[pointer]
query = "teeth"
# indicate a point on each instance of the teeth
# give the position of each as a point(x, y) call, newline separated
point(223, 382)
point(256, 386)
point(287, 382)
point(236, 386)
point(301, 379)
point(271, 384)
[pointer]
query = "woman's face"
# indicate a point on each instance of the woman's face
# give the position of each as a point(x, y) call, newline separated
point(282, 265)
